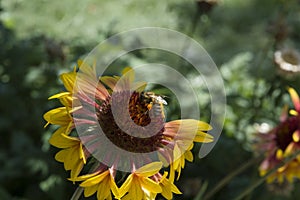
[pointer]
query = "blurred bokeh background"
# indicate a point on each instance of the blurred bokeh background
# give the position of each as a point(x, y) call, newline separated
point(40, 39)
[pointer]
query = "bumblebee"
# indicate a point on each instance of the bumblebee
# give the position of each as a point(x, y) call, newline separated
point(155, 103)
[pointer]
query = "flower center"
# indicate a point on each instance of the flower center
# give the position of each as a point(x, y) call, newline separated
point(291, 58)
point(284, 133)
point(142, 113)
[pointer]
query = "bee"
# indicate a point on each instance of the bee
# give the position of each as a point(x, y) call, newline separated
point(156, 103)
point(152, 97)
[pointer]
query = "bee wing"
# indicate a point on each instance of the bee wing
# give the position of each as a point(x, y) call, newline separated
point(161, 100)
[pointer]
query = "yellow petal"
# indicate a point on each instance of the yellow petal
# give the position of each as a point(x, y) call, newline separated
point(68, 80)
point(281, 169)
point(189, 130)
point(126, 80)
point(152, 196)
point(149, 169)
point(61, 155)
point(59, 116)
point(289, 149)
point(150, 185)
point(136, 191)
point(203, 137)
point(189, 156)
point(164, 175)
point(85, 68)
point(125, 186)
point(177, 154)
point(163, 159)
point(293, 112)
point(77, 167)
point(140, 86)
point(127, 69)
point(110, 81)
point(176, 164)
point(127, 197)
point(290, 177)
point(175, 189)
point(67, 101)
point(166, 191)
point(89, 191)
point(182, 161)
point(271, 178)
point(62, 130)
point(84, 177)
point(103, 189)
point(295, 98)
point(81, 154)
point(296, 136)
point(168, 188)
point(109, 197)
point(179, 172)
point(71, 158)
point(203, 126)
point(94, 180)
point(63, 141)
point(113, 187)
point(190, 147)
point(190, 124)
point(280, 178)
point(262, 172)
point(91, 86)
point(172, 173)
point(279, 154)
point(59, 95)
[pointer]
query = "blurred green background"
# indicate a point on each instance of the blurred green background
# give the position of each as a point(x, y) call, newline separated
point(40, 39)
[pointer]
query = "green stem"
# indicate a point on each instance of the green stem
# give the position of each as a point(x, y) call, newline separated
point(202, 191)
point(229, 177)
point(77, 193)
point(261, 180)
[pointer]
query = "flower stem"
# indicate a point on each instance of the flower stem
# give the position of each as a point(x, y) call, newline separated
point(261, 180)
point(77, 193)
point(229, 177)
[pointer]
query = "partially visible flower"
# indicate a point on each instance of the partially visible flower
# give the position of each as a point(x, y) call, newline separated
point(280, 143)
point(167, 186)
point(72, 154)
point(288, 61)
point(283, 189)
point(184, 129)
point(139, 185)
point(101, 181)
point(115, 116)
point(179, 163)
point(62, 116)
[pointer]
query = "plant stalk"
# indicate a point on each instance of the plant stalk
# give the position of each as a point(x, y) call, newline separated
point(261, 180)
point(229, 177)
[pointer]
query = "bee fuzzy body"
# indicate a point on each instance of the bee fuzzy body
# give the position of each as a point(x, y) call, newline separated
point(155, 103)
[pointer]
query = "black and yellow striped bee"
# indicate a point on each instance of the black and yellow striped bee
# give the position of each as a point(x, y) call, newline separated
point(155, 103)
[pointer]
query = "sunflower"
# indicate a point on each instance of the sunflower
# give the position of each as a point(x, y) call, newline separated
point(280, 143)
point(114, 125)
